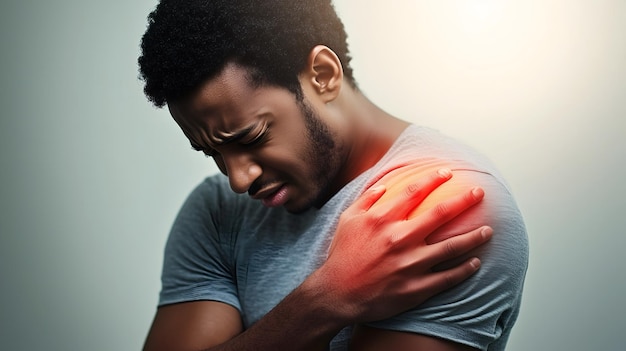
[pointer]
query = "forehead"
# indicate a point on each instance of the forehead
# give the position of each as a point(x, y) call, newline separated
point(227, 104)
point(230, 88)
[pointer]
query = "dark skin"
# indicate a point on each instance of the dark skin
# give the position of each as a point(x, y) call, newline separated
point(393, 272)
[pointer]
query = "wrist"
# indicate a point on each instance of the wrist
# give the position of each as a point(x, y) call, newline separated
point(328, 299)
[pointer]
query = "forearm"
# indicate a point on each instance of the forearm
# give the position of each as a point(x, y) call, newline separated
point(307, 319)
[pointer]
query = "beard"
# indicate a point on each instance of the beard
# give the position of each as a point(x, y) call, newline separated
point(324, 155)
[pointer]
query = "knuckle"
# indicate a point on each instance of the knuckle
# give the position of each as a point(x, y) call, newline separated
point(442, 210)
point(412, 190)
point(375, 219)
point(395, 239)
point(451, 249)
point(449, 280)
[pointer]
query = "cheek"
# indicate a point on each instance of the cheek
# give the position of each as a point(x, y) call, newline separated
point(284, 158)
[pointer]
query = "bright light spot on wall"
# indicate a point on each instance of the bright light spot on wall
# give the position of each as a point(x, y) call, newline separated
point(485, 33)
point(476, 65)
point(478, 15)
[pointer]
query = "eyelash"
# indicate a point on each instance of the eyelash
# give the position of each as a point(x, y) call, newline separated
point(213, 153)
point(256, 141)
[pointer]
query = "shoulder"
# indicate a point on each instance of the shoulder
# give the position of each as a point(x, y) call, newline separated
point(482, 309)
point(427, 150)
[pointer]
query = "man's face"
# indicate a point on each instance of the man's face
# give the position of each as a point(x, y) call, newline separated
point(268, 144)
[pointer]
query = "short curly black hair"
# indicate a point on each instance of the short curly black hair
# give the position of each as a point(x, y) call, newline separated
point(188, 42)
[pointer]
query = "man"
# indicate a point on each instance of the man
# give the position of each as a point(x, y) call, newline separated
point(341, 222)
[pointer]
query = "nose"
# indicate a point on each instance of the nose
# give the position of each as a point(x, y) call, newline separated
point(241, 170)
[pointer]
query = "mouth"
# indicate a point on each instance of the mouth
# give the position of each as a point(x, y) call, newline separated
point(272, 197)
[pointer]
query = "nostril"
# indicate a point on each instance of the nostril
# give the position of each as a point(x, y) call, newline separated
point(254, 188)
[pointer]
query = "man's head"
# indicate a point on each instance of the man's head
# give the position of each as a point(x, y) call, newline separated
point(189, 42)
point(269, 144)
point(245, 81)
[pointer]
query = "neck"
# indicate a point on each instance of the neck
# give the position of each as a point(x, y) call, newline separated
point(369, 132)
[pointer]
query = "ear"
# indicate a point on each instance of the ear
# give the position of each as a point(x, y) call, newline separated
point(324, 72)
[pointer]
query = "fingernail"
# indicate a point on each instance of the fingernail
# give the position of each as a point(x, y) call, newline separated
point(478, 192)
point(475, 263)
point(486, 232)
point(445, 172)
point(377, 188)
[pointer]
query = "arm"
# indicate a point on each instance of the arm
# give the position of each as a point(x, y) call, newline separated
point(193, 326)
point(378, 266)
point(367, 338)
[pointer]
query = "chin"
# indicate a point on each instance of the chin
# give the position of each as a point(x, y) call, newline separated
point(301, 206)
point(296, 211)
point(297, 207)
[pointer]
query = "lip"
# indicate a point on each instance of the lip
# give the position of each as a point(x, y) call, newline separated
point(272, 197)
point(263, 193)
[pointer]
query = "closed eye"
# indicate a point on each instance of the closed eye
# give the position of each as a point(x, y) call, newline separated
point(256, 140)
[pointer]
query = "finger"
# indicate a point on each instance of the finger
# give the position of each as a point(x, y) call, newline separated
point(415, 193)
point(446, 279)
point(406, 191)
point(456, 246)
point(368, 198)
point(383, 178)
point(445, 211)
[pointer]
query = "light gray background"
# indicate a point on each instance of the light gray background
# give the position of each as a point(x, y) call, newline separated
point(92, 175)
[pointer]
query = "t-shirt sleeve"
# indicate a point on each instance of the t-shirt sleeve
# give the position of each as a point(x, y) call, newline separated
point(480, 311)
point(197, 264)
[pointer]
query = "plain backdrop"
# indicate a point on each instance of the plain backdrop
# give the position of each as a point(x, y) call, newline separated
point(91, 175)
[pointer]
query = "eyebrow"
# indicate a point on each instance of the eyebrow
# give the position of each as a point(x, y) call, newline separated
point(224, 138)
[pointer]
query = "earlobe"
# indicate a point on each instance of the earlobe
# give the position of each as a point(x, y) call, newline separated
point(326, 72)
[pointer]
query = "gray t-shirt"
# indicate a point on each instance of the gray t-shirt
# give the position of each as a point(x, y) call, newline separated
point(228, 247)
